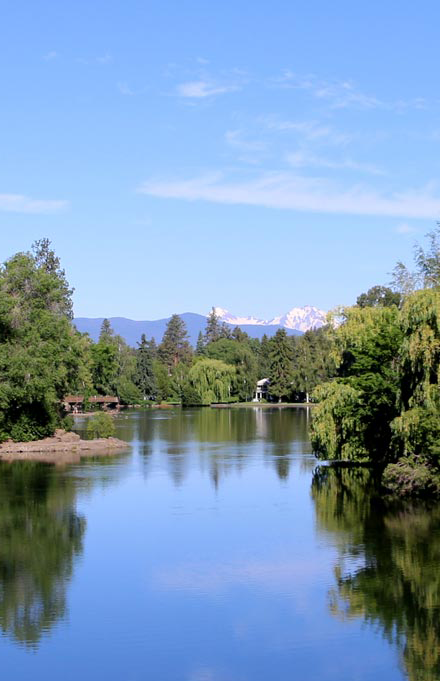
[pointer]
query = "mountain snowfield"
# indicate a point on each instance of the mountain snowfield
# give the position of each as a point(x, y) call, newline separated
point(298, 318)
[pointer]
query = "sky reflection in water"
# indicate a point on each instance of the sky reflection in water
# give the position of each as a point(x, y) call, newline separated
point(216, 551)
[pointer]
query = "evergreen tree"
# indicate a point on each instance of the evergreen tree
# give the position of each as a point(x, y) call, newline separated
point(175, 346)
point(213, 327)
point(144, 377)
point(280, 373)
point(264, 357)
point(200, 347)
point(106, 334)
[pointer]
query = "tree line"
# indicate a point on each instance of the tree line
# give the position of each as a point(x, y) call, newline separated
point(43, 357)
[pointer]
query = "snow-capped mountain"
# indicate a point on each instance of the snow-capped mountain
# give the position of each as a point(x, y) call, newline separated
point(299, 318)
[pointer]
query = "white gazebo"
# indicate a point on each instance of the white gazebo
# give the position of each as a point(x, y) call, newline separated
point(262, 390)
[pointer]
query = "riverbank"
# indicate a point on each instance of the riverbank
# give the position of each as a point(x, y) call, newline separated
point(264, 405)
point(62, 448)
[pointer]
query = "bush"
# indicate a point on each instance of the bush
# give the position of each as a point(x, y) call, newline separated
point(100, 425)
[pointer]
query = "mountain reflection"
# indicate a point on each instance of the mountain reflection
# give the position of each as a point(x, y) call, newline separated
point(387, 571)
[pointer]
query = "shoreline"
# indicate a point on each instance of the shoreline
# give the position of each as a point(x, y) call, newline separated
point(62, 448)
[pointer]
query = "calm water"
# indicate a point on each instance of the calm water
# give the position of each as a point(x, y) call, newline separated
point(214, 550)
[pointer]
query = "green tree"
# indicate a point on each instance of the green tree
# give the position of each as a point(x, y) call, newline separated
point(200, 347)
point(212, 380)
point(41, 355)
point(144, 377)
point(281, 369)
point(313, 361)
point(175, 346)
point(213, 327)
point(162, 380)
point(353, 418)
point(379, 296)
point(240, 356)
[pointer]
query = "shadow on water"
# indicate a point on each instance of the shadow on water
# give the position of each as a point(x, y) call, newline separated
point(387, 572)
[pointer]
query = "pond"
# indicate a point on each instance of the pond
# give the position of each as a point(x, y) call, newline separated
point(214, 549)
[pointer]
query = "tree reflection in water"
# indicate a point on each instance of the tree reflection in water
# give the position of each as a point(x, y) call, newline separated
point(40, 536)
point(387, 572)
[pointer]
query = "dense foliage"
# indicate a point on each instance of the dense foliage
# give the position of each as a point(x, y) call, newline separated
point(383, 406)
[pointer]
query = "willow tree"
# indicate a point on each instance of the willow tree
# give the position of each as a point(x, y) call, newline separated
point(353, 418)
point(212, 380)
point(417, 428)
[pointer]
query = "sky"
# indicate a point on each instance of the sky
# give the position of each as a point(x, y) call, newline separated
point(251, 155)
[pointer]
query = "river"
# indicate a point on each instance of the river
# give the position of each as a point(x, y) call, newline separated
point(216, 549)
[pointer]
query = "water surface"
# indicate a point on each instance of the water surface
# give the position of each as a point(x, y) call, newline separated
point(214, 550)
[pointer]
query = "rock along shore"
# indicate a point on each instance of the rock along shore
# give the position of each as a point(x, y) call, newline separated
point(62, 448)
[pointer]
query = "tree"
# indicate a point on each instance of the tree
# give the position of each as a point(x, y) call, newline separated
point(212, 380)
point(144, 377)
point(213, 327)
point(280, 371)
point(106, 334)
point(353, 417)
point(379, 296)
point(41, 354)
point(240, 356)
point(264, 356)
point(175, 346)
point(200, 347)
point(313, 361)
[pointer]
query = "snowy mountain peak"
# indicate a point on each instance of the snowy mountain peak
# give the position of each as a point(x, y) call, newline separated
point(298, 318)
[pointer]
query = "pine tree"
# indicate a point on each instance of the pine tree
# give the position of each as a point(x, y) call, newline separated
point(280, 373)
point(175, 346)
point(213, 327)
point(200, 347)
point(106, 333)
point(144, 376)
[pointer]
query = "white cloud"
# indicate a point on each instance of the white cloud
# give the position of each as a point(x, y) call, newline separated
point(342, 94)
point(308, 130)
point(124, 89)
point(18, 203)
point(304, 159)
point(199, 89)
point(405, 228)
point(289, 191)
point(50, 55)
point(105, 59)
point(238, 140)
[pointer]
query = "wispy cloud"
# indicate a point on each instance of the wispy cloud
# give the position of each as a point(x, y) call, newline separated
point(342, 94)
point(200, 89)
point(18, 203)
point(304, 159)
point(289, 191)
point(239, 140)
point(50, 55)
point(405, 228)
point(105, 59)
point(310, 130)
point(125, 89)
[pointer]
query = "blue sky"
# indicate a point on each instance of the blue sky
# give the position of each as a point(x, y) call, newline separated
point(251, 155)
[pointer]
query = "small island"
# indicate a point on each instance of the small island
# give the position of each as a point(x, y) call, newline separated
point(61, 448)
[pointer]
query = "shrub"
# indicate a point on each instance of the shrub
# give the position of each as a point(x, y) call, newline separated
point(100, 425)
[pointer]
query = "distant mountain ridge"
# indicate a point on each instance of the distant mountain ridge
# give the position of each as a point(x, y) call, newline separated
point(298, 318)
point(131, 330)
